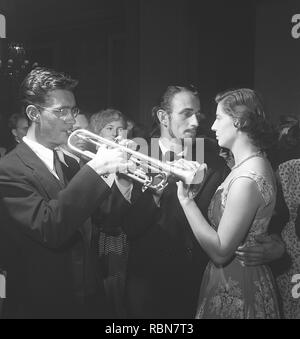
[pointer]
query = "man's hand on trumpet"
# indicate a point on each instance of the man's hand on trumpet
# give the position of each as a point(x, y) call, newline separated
point(121, 175)
point(109, 161)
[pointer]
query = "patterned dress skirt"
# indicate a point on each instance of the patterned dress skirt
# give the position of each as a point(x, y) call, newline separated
point(289, 173)
point(287, 281)
point(113, 254)
point(237, 292)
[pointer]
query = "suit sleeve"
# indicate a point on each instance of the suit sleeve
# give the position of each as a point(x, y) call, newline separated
point(50, 222)
point(111, 213)
point(142, 214)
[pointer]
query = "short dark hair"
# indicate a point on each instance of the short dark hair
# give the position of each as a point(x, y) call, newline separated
point(13, 120)
point(39, 82)
point(246, 108)
point(165, 102)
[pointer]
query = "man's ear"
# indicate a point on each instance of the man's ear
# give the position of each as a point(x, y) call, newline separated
point(14, 132)
point(163, 117)
point(33, 113)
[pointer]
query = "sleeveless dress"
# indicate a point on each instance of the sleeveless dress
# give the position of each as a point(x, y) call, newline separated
point(235, 290)
point(289, 174)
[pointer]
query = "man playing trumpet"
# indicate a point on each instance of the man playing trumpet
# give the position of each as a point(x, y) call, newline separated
point(46, 209)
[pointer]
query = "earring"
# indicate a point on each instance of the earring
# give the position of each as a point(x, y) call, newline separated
point(236, 124)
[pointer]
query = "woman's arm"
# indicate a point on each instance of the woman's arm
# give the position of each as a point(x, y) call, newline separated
point(242, 203)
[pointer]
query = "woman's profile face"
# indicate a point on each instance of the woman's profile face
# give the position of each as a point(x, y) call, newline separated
point(112, 130)
point(224, 128)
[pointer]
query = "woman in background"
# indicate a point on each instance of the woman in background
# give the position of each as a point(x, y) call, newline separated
point(112, 245)
point(289, 176)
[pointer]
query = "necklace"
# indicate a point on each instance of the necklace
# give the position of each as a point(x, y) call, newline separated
point(257, 154)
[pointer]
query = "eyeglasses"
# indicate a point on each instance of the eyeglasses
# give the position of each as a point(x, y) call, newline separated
point(62, 113)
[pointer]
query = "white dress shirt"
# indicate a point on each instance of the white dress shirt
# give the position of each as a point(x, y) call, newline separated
point(44, 153)
point(165, 149)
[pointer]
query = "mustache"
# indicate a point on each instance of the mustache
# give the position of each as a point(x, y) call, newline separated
point(191, 130)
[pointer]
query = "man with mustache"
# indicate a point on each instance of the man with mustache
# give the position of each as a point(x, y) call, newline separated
point(165, 262)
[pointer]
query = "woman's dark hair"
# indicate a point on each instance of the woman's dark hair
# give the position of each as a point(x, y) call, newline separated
point(289, 132)
point(289, 139)
point(246, 108)
point(165, 103)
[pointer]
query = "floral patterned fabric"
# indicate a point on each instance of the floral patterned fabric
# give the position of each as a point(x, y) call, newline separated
point(237, 291)
point(289, 174)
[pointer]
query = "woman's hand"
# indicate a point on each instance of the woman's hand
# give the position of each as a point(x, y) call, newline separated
point(183, 194)
point(189, 189)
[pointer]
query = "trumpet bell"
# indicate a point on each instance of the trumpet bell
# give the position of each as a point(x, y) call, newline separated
point(192, 178)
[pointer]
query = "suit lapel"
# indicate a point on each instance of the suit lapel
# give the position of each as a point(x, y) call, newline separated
point(45, 178)
point(71, 169)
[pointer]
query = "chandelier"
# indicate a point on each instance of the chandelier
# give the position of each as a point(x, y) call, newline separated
point(14, 62)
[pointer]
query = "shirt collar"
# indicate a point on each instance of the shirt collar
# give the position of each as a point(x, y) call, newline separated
point(165, 149)
point(44, 153)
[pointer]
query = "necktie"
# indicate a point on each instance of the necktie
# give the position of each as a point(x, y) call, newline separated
point(58, 168)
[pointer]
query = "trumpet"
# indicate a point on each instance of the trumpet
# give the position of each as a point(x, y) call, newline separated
point(152, 173)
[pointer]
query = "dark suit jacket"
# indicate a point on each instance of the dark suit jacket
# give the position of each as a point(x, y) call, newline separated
point(42, 226)
point(166, 263)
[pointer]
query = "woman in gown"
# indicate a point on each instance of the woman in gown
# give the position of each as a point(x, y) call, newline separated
point(240, 210)
point(288, 281)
